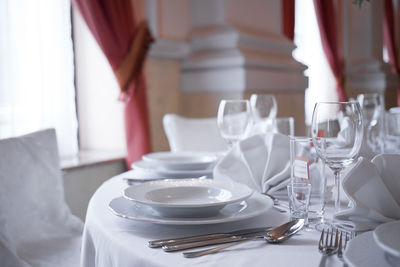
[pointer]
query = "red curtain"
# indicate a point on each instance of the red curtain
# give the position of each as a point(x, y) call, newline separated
point(389, 40)
point(288, 18)
point(125, 45)
point(326, 14)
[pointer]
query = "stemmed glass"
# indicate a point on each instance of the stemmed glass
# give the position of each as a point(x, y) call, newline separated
point(234, 120)
point(372, 110)
point(392, 132)
point(337, 132)
point(264, 110)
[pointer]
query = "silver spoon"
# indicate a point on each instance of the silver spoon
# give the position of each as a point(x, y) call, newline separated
point(277, 235)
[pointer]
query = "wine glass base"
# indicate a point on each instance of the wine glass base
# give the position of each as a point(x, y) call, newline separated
point(320, 223)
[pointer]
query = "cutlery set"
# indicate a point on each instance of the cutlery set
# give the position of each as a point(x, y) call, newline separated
point(225, 240)
point(198, 238)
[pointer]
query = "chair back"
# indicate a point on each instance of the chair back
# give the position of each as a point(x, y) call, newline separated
point(32, 206)
point(193, 134)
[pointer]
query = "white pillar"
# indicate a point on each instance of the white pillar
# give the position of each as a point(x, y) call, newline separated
point(363, 47)
point(238, 46)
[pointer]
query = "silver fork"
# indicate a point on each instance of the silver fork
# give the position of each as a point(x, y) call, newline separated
point(343, 243)
point(327, 245)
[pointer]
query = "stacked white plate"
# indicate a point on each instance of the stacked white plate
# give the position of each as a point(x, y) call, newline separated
point(189, 201)
point(176, 164)
point(187, 197)
point(380, 247)
point(180, 191)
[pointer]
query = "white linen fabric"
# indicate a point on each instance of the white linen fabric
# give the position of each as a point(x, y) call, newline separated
point(193, 134)
point(109, 240)
point(373, 189)
point(262, 162)
point(36, 225)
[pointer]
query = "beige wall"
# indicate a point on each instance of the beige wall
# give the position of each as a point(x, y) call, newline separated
point(165, 96)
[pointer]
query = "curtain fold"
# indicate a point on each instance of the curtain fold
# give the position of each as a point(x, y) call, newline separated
point(325, 12)
point(389, 25)
point(125, 45)
point(288, 15)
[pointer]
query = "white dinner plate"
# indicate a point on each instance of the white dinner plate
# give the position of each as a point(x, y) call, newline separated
point(153, 170)
point(255, 205)
point(184, 160)
point(387, 236)
point(362, 251)
point(188, 197)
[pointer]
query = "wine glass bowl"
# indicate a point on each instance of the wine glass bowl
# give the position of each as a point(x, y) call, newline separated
point(392, 132)
point(340, 126)
point(263, 110)
point(263, 106)
point(372, 107)
point(234, 120)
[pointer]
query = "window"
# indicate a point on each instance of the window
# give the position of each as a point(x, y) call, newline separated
point(37, 70)
point(321, 82)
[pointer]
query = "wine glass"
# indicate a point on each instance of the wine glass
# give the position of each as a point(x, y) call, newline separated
point(284, 125)
point(372, 110)
point(337, 132)
point(234, 120)
point(263, 110)
point(392, 132)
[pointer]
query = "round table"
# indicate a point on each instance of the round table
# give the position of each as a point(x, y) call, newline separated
point(109, 240)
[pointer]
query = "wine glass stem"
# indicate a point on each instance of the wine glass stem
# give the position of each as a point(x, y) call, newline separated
point(337, 185)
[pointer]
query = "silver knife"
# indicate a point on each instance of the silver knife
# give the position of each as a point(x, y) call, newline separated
point(217, 241)
point(182, 240)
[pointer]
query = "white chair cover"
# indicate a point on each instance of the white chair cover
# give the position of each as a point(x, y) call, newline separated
point(36, 225)
point(187, 134)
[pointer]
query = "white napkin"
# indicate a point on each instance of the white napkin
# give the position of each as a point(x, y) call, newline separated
point(373, 189)
point(262, 162)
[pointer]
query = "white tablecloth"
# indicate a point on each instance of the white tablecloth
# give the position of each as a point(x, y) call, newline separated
point(109, 240)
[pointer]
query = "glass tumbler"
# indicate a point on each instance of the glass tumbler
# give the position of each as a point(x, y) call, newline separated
point(299, 199)
point(307, 167)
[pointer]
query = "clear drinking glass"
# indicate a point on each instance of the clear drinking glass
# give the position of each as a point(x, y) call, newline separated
point(263, 110)
point(284, 125)
point(299, 199)
point(372, 108)
point(337, 132)
point(263, 106)
point(392, 132)
point(234, 120)
point(308, 168)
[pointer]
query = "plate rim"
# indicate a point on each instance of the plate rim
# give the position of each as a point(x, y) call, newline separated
point(137, 164)
point(268, 203)
point(153, 156)
point(221, 182)
point(381, 243)
point(208, 159)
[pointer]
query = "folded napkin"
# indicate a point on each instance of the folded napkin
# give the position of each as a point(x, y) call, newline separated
point(261, 161)
point(373, 190)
